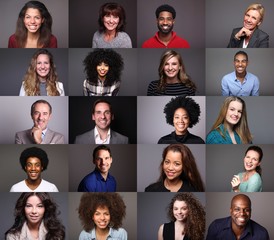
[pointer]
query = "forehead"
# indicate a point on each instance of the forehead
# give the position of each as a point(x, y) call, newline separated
point(252, 152)
point(236, 104)
point(102, 107)
point(32, 12)
point(240, 57)
point(34, 198)
point(254, 13)
point(165, 14)
point(180, 111)
point(33, 160)
point(41, 107)
point(102, 209)
point(240, 202)
point(102, 153)
point(179, 204)
point(174, 155)
point(172, 59)
point(41, 57)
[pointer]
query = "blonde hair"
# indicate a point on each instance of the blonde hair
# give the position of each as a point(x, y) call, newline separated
point(241, 128)
point(257, 6)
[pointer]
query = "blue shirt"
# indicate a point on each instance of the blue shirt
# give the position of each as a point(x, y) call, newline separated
point(231, 86)
point(221, 229)
point(94, 182)
point(114, 234)
point(214, 137)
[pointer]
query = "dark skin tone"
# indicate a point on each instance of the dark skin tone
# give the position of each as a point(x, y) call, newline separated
point(240, 212)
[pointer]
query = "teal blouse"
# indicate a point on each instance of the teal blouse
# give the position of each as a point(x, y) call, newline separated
point(254, 183)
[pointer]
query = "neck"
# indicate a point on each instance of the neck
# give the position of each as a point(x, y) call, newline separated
point(181, 133)
point(240, 76)
point(109, 35)
point(33, 184)
point(229, 127)
point(33, 36)
point(42, 80)
point(238, 230)
point(165, 37)
point(173, 185)
point(103, 133)
point(104, 175)
point(172, 80)
point(101, 233)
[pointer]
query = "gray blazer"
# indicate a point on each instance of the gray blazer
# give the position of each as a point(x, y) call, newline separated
point(88, 138)
point(51, 137)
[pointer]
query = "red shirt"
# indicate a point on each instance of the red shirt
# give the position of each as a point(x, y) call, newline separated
point(175, 42)
point(52, 43)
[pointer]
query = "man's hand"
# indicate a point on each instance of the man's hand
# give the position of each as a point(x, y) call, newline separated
point(36, 133)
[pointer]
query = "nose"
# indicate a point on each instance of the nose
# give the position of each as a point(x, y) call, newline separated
point(32, 20)
point(34, 210)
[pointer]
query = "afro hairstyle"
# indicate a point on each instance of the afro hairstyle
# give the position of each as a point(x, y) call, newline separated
point(34, 152)
point(165, 8)
point(192, 108)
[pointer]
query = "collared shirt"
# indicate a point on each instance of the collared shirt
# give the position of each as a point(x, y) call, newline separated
point(114, 234)
point(221, 229)
point(175, 42)
point(231, 86)
point(98, 139)
point(91, 89)
point(94, 182)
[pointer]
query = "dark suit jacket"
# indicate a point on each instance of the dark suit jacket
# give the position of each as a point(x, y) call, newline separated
point(51, 137)
point(259, 39)
point(88, 138)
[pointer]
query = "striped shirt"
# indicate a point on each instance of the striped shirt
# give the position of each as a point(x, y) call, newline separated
point(90, 89)
point(172, 89)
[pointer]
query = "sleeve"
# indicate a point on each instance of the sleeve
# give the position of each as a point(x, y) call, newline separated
point(60, 140)
point(12, 42)
point(264, 41)
point(115, 88)
point(212, 232)
point(22, 90)
point(94, 43)
point(233, 42)
point(126, 41)
point(11, 237)
point(225, 88)
point(254, 184)
point(54, 188)
point(60, 88)
point(18, 139)
point(53, 42)
point(85, 91)
point(151, 89)
point(255, 90)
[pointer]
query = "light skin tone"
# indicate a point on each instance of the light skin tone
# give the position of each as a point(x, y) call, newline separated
point(103, 162)
point(102, 70)
point(252, 20)
point(42, 67)
point(40, 116)
point(102, 117)
point(240, 65)
point(101, 219)
point(181, 121)
point(34, 211)
point(173, 168)
point(110, 22)
point(33, 169)
point(33, 21)
point(180, 212)
point(165, 24)
point(171, 70)
point(233, 116)
point(240, 212)
point(251, 162)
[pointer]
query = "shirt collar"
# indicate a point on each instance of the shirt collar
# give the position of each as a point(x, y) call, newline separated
point(93, 234)
point(248, 228)
point(97, 135)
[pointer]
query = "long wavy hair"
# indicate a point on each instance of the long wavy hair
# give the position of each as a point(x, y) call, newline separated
point(31, 81)
point(241, 128)
point(183, 77)
point(190, 171)
point(260, 152)
point(91, 201)
point(195, 222)
point(21, 32)
point(56, 231)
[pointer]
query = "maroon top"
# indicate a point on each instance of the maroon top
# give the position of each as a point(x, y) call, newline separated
point(52, 43)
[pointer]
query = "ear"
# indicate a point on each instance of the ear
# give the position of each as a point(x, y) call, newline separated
point(93, 118)
point(259, 23)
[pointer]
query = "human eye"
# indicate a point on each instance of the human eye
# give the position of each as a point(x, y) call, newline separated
point(166, 162)
point(177, 163)
point(28, 205)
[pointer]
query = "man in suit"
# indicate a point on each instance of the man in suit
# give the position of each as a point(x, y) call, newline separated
point(102, 133)
point(40, 133)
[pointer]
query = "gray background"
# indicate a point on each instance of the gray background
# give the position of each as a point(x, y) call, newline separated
point(129, 223)
point(152, 212)
point(123, 167)
point(189, 21)
point(15, 116)
point(151, 121)
point(83, 17)
point(149, 60)
point(219, 62)
point(222, 16)
point(259, 116)
point(218, 205)
point(150, 157)
point(77, 75)
point(58, 10)
point(56, 173)
point(14, 64)
point(8, 201)
point(225, 161)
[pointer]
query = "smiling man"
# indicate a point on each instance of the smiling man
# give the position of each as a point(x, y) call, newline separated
point(99, 180)
point(40, 133)
point(34, 161)
point(238, 225)
point(240, 82)
point(165, 37)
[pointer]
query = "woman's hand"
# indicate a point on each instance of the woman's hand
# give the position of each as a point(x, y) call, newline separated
point(235, 182)
point(243, 32)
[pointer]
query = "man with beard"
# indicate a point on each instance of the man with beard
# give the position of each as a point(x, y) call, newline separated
point(165, 37)
point(238, 225)
point(240, 82)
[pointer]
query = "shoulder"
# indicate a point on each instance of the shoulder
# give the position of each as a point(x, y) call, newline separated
point(167, 139)
point(149, 43)
point(155, 187)
point(53, 42)
point(120, 232)
point(12, 41)
point(85, 235)
point(213, 136)
point(194, 139)
point(117, 136)
point(85, 138)
point(60, 88)
point(181, 41)
point(18, 187)
point(48, 186)
point(259, 230)
point(261, 33)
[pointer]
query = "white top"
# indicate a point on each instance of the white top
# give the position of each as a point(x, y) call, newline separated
point(44, 186)
point(59, 87)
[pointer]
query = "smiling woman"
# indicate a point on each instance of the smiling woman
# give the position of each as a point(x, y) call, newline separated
point(33, 29)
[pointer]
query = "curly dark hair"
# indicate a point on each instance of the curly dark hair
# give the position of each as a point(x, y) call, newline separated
point(195, 223)
point(108, 56)
point(114, 9)
point(21, 32)
point(56, 231)
point(187, 103)
point(190, 171)
point(34, 152)
point(165, 8)
point(91, 201)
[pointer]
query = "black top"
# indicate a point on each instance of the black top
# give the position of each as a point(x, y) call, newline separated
point(169, 231)
point(187, 138)
point(160, 187)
